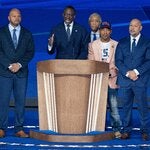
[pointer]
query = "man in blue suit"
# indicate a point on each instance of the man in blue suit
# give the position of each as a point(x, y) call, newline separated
point(16, 50)
point(133, 62)
point(69, 39)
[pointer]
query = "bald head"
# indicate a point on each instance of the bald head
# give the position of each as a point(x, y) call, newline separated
point(14, 10)
point(135, 27)
point(14, 17)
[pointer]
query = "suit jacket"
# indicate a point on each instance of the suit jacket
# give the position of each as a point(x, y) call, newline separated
point(127, 60)
point(96, 54)
point(76, 48)
point(22, 54)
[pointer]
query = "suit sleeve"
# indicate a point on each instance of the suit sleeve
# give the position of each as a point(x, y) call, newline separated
point(112, 67)
point(29, 53)
point(146, 64)
point(54, 44)
point(4, 60)
point(112, 57)
point(90, 52)
point(84, 45)
point(119, 60)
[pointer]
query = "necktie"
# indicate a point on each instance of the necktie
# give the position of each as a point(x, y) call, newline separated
point(133, 45)
point(68, 31)
point(14, 38)
point(94, 37)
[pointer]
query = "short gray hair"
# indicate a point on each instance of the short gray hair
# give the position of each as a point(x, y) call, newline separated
point(96, 15)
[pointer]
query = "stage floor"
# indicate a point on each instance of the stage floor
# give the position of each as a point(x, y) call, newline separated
point(31, 123)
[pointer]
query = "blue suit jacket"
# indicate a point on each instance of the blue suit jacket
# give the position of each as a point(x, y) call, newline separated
point(76, 48)
point(22, 54)
point(127, 60)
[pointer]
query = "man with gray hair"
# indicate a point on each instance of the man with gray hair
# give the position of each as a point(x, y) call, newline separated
point(94, 22)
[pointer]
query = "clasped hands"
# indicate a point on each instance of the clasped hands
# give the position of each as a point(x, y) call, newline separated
point(132, 75)
point(14, 67)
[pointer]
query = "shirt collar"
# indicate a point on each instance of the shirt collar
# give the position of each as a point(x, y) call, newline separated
point(71, 24)
point(11, 27)
point(137, 37)
point(97, 33)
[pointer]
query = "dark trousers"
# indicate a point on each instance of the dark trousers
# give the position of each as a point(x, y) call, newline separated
point(127, 97)
point(18, 86)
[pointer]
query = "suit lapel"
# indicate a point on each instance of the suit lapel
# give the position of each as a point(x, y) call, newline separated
point(112, 50)
point(140, 41)
point(63, 30)
point(128, 47)
point(20, 36)
point(138, 46)
point(74, 30)
point(9, 37)
point(99, 52)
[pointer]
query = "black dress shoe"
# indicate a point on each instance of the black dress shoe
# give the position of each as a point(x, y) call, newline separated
point(125, 136)
point(145, 136)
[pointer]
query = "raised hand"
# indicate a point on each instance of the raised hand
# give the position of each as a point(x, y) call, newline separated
point(51, 40)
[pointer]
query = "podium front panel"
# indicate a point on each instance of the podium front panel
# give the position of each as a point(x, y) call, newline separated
point(72, 103)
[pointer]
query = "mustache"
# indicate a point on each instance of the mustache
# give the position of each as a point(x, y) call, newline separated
point(132, 30)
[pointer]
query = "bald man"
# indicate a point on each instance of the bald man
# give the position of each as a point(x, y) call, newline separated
point(133, 62)
point(16, 51)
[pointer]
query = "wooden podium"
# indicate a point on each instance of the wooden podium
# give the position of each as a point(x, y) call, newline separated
point(72, 100)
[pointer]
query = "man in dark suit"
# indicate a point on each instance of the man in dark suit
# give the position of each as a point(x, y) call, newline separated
point(95, 21)
point(16, 50)
point(133, 62)
point(69, 39)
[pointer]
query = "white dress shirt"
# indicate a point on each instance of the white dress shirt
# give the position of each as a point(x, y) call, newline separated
point(97, 35)
point(11, 28)
point(136, 41)
point(131, 40)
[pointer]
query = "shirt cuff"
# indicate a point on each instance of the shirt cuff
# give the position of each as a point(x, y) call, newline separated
point(9, 66)
point(127, 74)
point(136, 72)
point(19, 65)
point(49, 47)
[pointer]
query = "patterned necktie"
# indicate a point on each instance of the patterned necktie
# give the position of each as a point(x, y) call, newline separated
point(94, 37)
point(133, 45)
point(14, 38)
point(68, 31)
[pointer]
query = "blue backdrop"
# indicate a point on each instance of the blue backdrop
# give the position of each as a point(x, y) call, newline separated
point(39, 16)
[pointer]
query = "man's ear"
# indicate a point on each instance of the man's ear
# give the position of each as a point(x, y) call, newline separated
point(8, 18)
point(141, 28)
